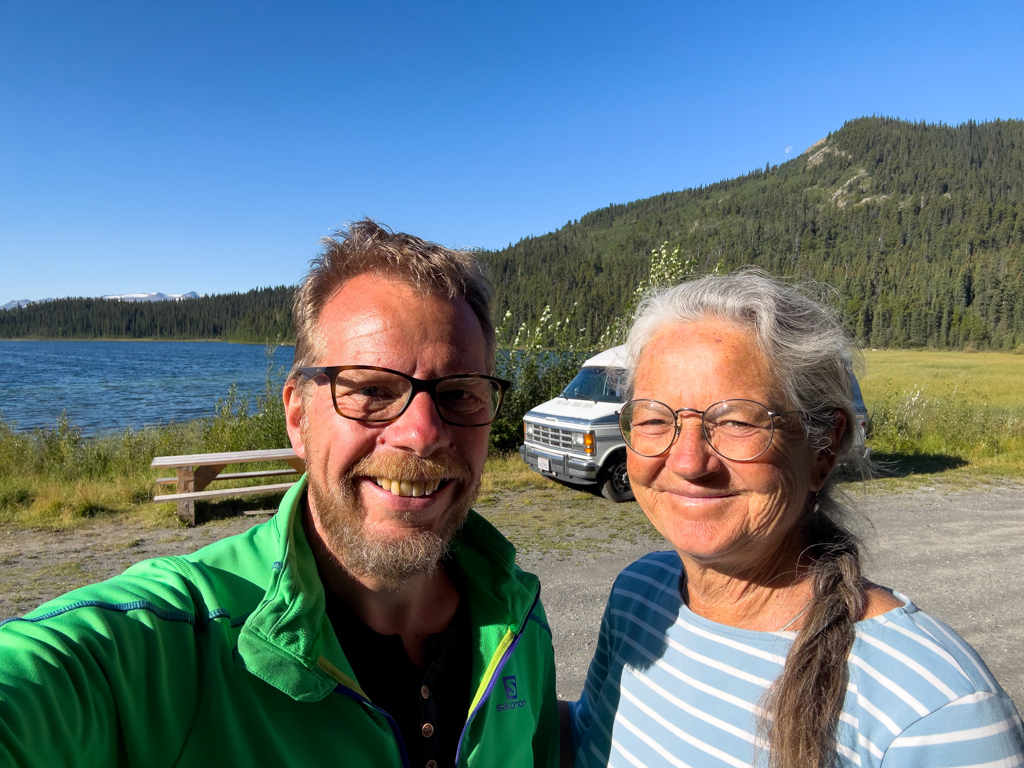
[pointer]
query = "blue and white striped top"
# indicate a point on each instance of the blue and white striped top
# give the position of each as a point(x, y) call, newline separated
point(669, 688)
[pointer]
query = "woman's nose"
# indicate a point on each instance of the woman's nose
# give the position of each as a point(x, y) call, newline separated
point(691, 455)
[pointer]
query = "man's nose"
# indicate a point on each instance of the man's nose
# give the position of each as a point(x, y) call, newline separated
point(420, 428)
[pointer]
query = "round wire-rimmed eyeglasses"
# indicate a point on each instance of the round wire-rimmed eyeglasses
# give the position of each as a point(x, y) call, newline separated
point(738, 430)
point(373, 394)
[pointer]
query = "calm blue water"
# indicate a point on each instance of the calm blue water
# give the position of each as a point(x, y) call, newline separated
point(106, 386)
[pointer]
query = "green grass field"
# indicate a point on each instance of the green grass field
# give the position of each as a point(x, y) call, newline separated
point(991, 378)
point(953, 416)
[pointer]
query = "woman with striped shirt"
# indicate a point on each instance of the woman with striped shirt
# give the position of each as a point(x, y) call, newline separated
point(757, 641)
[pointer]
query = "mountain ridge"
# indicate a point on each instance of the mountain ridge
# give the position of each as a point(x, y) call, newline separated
point(917, 226)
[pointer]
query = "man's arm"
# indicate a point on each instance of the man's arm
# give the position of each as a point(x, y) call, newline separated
point(97, 677)
point(56, 708)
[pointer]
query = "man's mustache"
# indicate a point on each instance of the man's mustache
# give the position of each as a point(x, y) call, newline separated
point(399, 465)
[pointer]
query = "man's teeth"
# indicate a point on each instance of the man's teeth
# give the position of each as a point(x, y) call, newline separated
point(409, 488)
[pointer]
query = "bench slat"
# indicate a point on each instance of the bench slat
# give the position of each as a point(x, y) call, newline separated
point(236, 475)
point(222, 492)
point(229, 457)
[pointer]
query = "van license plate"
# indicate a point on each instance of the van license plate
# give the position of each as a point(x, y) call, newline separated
point(543, 464)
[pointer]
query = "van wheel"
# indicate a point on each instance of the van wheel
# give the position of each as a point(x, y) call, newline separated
point(615, 481)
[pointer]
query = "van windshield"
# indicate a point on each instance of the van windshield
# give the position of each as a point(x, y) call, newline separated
point(599, 384)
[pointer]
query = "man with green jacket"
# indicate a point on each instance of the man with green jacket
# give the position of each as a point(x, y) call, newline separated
point(375, 620)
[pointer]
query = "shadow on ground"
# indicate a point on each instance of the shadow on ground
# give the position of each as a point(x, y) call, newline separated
point(222, 509)
point(902, 465)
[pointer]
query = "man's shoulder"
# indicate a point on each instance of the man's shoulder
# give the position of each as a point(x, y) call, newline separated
point(225, 579)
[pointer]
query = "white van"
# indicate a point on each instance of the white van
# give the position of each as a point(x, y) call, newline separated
point(575, 437)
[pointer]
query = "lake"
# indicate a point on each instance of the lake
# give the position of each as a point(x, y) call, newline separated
point(106, 386)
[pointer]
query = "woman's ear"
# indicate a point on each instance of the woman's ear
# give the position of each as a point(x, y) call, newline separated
point(825, 460)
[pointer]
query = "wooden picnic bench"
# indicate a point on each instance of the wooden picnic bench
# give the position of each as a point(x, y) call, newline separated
point(197, 471)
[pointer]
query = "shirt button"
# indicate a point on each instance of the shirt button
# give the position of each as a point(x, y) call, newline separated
point(428, 730)
point(425, 693)
point(431, 763)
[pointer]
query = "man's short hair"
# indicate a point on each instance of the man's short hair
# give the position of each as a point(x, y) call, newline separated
point(367, 247)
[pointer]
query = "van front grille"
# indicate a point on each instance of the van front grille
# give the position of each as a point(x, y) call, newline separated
point(552, 436)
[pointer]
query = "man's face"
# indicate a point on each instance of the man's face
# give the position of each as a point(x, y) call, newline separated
point(354, 466)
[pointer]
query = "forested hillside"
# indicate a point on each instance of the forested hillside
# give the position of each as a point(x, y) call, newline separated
point(919, 228)
point(260, 315)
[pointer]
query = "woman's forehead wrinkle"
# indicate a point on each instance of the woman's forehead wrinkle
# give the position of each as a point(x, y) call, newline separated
point(701, 363)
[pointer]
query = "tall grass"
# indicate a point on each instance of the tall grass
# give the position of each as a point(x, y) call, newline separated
point(958, 426)
point(931, 410)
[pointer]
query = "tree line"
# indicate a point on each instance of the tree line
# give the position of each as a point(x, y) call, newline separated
point(260, 315)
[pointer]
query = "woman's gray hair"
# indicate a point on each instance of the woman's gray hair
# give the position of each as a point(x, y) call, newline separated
point(810, 356)
point(806, 347)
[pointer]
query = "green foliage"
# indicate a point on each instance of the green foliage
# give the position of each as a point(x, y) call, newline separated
point(544, 357)
point(537, 373)
point(667, 268)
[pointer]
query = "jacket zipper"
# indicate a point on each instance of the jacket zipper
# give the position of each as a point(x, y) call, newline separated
point(402, 751)
point(497, 671)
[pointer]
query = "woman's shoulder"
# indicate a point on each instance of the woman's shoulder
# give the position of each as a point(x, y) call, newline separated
point(654, 578)
point(922, 691)
point(658, 568)
point(929, 658)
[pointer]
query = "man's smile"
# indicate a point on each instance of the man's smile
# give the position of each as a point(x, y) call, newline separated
point(409, 487)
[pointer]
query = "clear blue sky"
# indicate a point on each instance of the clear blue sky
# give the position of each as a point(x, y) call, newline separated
point(207, 146)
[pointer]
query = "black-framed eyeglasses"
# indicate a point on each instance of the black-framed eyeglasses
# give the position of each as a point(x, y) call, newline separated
point(738, 430)
point(369, 393)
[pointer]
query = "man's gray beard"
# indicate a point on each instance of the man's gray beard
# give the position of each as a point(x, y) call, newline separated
point(391, 561)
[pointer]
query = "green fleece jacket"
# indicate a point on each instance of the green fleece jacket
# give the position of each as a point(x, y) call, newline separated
point(226, 657)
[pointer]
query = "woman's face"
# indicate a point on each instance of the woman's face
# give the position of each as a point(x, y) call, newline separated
point(734, 515)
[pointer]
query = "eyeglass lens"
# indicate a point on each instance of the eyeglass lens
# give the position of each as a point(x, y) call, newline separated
point(381, 396)
point(737, 429)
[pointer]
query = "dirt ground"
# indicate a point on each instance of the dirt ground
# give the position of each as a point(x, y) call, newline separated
point(957, 554)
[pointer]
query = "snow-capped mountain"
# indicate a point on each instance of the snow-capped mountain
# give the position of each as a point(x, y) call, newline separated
point(119, 297)
point(152, 296)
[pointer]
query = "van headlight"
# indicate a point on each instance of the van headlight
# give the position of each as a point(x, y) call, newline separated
point(584, 440)
point(529, 428)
